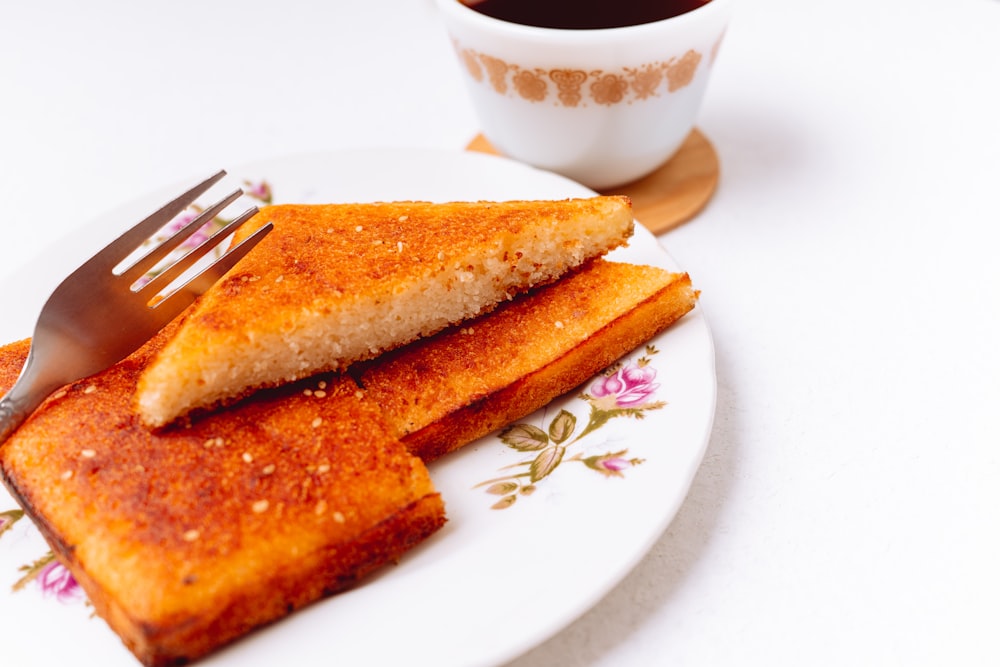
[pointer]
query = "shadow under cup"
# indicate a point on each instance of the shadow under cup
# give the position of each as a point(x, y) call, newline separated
point(603, 107)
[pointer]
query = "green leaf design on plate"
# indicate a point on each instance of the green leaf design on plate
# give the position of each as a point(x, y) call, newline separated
point(625, 389)
point(524, 437)
point(502, 488)
point(562, 426)
point(31, 571)
point(8, 519)
point(504, 502)
point(547, 461)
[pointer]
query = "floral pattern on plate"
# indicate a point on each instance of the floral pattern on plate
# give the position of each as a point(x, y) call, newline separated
point(623, 390)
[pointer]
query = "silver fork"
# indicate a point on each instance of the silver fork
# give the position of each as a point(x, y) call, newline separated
point(100, 313)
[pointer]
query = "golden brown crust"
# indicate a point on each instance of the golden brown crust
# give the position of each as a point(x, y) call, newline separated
point(334, 284)
point(443, 392)
point(312, 235)
point(186, 539)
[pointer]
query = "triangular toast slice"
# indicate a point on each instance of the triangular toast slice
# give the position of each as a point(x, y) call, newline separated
point(335, 284)
point(442, 392)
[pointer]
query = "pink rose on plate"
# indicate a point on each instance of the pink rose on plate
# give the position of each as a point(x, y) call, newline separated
point(260, 190)
point(612, 464)
point(56, 580)
point(615, 464)
point(197, 238)
point(630, 387)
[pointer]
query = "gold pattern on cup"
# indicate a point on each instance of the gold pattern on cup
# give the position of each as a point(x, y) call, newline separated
point(681, 73)
point(645, 80)
point(569, 82)
point(608, 89)
point(605, 88)
point(471, 62)
point(496, 69)
point(531, 85)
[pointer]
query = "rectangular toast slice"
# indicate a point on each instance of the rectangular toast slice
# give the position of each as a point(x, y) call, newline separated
point(187, 538)
point(442, 392)
point(339, 283)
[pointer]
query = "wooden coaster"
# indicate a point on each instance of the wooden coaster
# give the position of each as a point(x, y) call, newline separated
point(671, 195)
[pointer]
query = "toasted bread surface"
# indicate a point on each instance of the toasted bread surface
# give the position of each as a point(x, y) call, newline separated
point(442, 392)
point(334, 284)
point(190, 537)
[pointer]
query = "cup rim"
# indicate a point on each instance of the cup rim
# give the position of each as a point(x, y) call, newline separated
point(460, 11)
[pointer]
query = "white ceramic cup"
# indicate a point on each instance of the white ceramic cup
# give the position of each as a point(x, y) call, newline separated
point(604, 106)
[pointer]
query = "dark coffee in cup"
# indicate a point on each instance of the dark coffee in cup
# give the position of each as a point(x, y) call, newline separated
point(583, 14)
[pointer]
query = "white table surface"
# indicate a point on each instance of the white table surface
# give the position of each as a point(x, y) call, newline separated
point(848, 507)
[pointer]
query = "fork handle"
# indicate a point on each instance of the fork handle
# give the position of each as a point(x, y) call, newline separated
point(27, 394)
point(12, 415)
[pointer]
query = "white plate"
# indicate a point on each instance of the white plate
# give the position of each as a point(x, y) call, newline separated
point(494, 582)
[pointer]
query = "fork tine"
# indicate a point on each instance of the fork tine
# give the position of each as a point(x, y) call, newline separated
point(93, 319)
point(147, 262)
point(124, 245)
point(213, 273)
point(182, 297)
point(177, 269)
